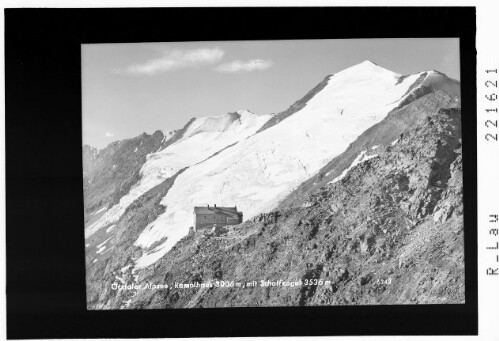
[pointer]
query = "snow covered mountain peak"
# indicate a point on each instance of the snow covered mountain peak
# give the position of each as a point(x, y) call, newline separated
point(233, 121)
point(366, 64)
point(365, 70)
point(245, 112)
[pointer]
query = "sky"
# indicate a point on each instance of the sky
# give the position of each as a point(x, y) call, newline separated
point(128, 89)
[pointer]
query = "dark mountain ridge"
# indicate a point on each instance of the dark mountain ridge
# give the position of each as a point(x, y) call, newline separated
point(295, 107)
point(109, 173)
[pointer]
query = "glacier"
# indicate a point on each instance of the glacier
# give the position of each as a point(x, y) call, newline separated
point(257, 172)
point(203, 137)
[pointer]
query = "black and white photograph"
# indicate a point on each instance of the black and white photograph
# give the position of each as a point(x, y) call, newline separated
point(276, 173)
point(209, 170)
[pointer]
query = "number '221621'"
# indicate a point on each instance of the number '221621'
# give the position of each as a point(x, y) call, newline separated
point(492, 97)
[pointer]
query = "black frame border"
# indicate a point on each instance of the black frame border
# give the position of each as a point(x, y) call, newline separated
point(44, 195)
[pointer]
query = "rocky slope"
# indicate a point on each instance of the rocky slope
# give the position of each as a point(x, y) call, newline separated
point(108, 174)
point(110, 253)
point(388, 231)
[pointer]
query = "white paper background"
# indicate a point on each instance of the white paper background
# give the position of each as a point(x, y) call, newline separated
point(488, 152)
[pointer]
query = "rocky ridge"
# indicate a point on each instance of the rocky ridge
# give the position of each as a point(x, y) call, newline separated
point(109, 173)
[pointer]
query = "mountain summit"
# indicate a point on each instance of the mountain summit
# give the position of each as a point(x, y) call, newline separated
point(366, 67)
point(239, 121)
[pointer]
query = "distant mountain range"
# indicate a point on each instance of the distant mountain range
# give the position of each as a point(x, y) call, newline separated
point(341, 182)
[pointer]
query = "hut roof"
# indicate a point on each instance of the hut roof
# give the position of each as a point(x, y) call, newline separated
point(231, 211)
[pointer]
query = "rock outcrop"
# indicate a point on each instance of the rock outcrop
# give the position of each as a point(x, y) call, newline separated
point(108, 174)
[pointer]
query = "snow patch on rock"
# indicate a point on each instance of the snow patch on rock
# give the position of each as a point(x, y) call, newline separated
point(98, 211)
point(125, 268)
point(359, 159)
point(102, 246)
